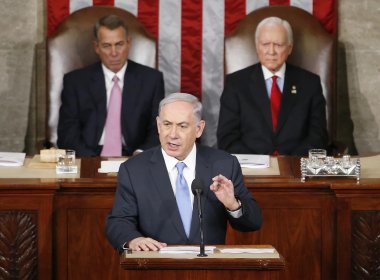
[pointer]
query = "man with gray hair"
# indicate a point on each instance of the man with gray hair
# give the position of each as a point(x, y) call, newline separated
point(154, 205)
point(272, 107)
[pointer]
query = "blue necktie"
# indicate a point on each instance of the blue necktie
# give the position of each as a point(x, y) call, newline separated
point(183, 198)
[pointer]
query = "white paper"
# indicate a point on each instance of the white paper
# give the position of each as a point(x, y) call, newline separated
point(110, 166)
point(253, 161)
point(12, 159)
point(185, 249)
point(248, 250)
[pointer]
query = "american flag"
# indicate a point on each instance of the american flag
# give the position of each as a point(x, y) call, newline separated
point(190, 36)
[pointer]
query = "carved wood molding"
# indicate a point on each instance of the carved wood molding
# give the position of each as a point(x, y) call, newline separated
point(18, 244)
point(365, 245)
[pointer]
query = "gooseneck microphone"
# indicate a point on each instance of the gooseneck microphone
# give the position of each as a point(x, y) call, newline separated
point(197, 189)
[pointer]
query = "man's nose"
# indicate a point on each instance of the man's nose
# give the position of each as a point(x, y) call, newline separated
point(271, 49)
point(173, 131)
point(113, 51)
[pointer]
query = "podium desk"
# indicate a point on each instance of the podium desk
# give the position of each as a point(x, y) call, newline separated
point(217, 265)
point(325, 228)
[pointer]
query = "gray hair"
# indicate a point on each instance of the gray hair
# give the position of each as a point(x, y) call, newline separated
point(271, 21)
point(110, 22)
point(185, 97)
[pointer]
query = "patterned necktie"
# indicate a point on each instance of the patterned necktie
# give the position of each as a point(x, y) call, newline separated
point(183, 198)
point(112, 139)
point(275, 101)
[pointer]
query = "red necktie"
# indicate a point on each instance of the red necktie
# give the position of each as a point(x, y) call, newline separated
point(275, 101)
point(112, 138)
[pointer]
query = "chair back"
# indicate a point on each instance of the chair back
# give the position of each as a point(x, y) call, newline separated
point(314, 49)
point(71, 47)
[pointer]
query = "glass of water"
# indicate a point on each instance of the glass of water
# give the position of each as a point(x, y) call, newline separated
point(66, 162)
point(317, 157)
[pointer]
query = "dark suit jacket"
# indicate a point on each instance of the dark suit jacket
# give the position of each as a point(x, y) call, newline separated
point(145, 204)
point(83, 111)
point(245, 121)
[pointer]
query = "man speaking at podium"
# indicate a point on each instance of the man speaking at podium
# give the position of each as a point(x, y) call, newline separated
point(153, 203)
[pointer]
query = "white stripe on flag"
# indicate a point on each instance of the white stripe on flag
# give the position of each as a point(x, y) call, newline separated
point(252, 5)
point(76, 5)
point(169, 44)
point(130, 5)
point(212, 66)
point(307, 5)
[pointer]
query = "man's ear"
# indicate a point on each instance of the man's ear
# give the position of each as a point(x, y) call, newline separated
point(158, 124)
point(96, 46)
point(200, 127)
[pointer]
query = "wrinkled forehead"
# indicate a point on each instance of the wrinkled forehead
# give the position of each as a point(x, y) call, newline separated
point(273, 34)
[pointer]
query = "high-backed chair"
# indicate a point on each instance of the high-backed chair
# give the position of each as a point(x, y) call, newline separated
point(314, 49)
point(71, 47)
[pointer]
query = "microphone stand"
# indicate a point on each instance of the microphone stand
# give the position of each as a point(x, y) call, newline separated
point(202, 245)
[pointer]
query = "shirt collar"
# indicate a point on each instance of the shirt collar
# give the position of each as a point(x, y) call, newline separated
point(280, 73)
point(190, 160)
point(120, 74)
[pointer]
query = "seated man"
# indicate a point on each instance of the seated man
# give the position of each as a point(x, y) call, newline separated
point(109, 108)
point(154, 205)
point(272, 107)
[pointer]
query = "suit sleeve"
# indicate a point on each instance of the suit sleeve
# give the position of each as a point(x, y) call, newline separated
point(158, 94)
point(69, 128)
point(317, 136)
point(229, 134)
point(251, 218)
point(121, 223)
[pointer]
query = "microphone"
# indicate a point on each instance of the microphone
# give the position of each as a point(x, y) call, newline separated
point(197, 189)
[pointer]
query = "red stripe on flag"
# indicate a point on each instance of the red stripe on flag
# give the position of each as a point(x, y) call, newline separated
point(103, 2)
point(191, 47)
point(148, 12)
point(325, 12)
point(57, 10)
point(234, 11)
point(279, 2)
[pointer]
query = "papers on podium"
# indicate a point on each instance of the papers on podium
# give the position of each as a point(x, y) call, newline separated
point(111, 165)
point(253, 161)
point(248, 250)
point(12, 159)
point(186, 249)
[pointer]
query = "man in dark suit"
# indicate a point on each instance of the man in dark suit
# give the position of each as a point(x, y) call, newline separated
point(247, 122)
point(87, 92)
point(145, 215)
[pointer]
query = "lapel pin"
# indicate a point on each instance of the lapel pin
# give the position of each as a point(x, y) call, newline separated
point(294, 90)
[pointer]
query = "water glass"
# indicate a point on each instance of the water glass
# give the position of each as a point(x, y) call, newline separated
point(318, 153)
point(66, 162)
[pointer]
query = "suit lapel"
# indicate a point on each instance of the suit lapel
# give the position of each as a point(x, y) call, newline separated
point(161, 181)
point(289, 97)
point(98, 91)
point(131, 89)
point(259, 93)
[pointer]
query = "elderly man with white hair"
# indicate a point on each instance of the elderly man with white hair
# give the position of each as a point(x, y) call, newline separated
point(272, 107)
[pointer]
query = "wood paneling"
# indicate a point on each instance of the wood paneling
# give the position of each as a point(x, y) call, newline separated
point(324, 228)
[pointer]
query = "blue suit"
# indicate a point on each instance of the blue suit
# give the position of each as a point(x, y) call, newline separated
point(83, 111)
point(145, 204)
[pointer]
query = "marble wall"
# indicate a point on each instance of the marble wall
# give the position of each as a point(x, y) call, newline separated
point(23, 86)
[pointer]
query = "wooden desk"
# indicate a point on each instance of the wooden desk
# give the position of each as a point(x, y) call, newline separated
point(324, 228)
point(154, 265)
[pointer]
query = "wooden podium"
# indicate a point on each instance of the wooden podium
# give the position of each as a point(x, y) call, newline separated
point(217, 265)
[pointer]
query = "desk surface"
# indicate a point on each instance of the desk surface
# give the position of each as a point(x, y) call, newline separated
point(217, 260)
point(285, 171)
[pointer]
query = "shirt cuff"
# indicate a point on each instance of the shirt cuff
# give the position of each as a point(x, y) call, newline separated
point(236, 213)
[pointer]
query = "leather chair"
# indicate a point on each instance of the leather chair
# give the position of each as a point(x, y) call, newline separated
point(314, 49)
point(71, 47)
